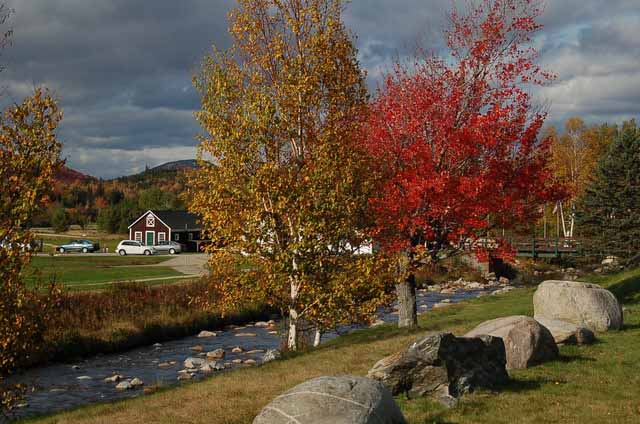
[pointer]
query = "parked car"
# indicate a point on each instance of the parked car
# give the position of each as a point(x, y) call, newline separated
point(84, 246)
point(169, 246)
point(132, 247)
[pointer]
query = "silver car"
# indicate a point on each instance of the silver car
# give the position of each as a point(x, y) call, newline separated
point(170, 247)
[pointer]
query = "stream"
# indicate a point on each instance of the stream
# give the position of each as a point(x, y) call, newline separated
point(61, 386)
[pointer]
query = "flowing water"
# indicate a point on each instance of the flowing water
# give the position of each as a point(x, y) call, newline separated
point(64, 386)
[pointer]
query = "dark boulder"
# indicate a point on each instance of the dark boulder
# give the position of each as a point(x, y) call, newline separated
point(444, 366)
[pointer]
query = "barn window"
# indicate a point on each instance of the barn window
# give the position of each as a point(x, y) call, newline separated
point(138, 236)
point(190, 236)
point(176, 236)
point(162, 236)
point(151, 221)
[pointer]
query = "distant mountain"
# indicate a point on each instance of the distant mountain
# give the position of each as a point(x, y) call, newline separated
point(67, 176)
point(177, 165)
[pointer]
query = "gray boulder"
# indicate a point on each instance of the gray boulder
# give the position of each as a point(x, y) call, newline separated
point(333, 400)
point(444, 367)
point(526, 342)
point(564, 332)
point(583, 304)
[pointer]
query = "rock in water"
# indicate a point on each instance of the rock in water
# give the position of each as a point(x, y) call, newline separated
point(124, 385)
point(206, 334)
point(526, 342)
point(216, 354)
point(136, 382)
point(564, 332)
point(194, 362)
point(444, 366)
point(335, 400)
point(583, 304)
point(113, 379)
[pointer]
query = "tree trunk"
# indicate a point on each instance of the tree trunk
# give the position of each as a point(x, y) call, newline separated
point(407, 309)
point(292, 338)
point(316, 339)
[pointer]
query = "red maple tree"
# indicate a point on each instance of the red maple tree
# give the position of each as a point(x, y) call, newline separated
point(456, 140)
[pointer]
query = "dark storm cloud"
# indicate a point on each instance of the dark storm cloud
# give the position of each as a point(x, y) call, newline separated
point(122, 68)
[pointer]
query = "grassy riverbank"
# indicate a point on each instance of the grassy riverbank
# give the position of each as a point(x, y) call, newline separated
point(131, 315)
point(590, 384)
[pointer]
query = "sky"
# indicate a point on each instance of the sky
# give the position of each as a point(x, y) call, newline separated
point(122, 69)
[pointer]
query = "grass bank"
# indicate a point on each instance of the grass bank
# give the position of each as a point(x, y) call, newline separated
point(80, 272)
point(591, 384)
point(131, 315)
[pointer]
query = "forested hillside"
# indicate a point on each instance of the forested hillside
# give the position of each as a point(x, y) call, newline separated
point(112, 204)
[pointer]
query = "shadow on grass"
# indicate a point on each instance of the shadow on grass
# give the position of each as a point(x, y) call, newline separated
point(631, 327)
point(520, 386)
point(627, 290)
point(437, 419)
point(567, 359)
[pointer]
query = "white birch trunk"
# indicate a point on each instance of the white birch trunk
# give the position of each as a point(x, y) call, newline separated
point(316, 339)
point(292, 339)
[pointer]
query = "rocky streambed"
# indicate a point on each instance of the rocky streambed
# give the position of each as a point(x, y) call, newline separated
point(110, 377)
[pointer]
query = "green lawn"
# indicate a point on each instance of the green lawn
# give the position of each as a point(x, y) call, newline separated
point(88, 272)
point(590, 384)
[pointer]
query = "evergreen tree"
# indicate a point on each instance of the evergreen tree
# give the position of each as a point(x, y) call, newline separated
point(60, 220)
point(609, 211)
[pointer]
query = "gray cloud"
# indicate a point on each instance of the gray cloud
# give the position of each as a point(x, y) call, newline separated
point(122, 68)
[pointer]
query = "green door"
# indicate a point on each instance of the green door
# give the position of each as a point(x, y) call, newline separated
point(149, 238)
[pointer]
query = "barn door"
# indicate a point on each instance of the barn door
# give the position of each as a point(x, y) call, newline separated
point(149, 238)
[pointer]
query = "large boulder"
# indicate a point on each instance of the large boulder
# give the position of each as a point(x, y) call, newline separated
point(333, 400)
point(526, 342)
point(583, 304)
point(444, 367)
point(564, 332)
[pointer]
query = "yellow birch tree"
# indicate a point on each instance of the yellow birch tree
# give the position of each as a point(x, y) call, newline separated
point(575, 153)
point(283, 184)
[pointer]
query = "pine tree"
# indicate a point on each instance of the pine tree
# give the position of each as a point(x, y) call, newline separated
point(609, 211)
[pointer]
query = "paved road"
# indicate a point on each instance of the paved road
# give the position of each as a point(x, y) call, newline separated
point(192, 264)
point(189, 264)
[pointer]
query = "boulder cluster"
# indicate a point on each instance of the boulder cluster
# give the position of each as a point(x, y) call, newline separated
point(445, 367)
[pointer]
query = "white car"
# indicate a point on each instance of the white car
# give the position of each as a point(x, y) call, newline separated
point(132, 247)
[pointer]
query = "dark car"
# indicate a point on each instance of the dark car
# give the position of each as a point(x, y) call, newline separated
point(84, 246)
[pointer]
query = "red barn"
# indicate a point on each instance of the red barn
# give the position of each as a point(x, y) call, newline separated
point(157, 226)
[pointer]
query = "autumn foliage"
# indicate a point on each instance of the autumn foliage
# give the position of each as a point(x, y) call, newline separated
point(29, 158)
point(456, 139)
point(281, 182)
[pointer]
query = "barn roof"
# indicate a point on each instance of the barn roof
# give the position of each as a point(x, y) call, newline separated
point(179, 220)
